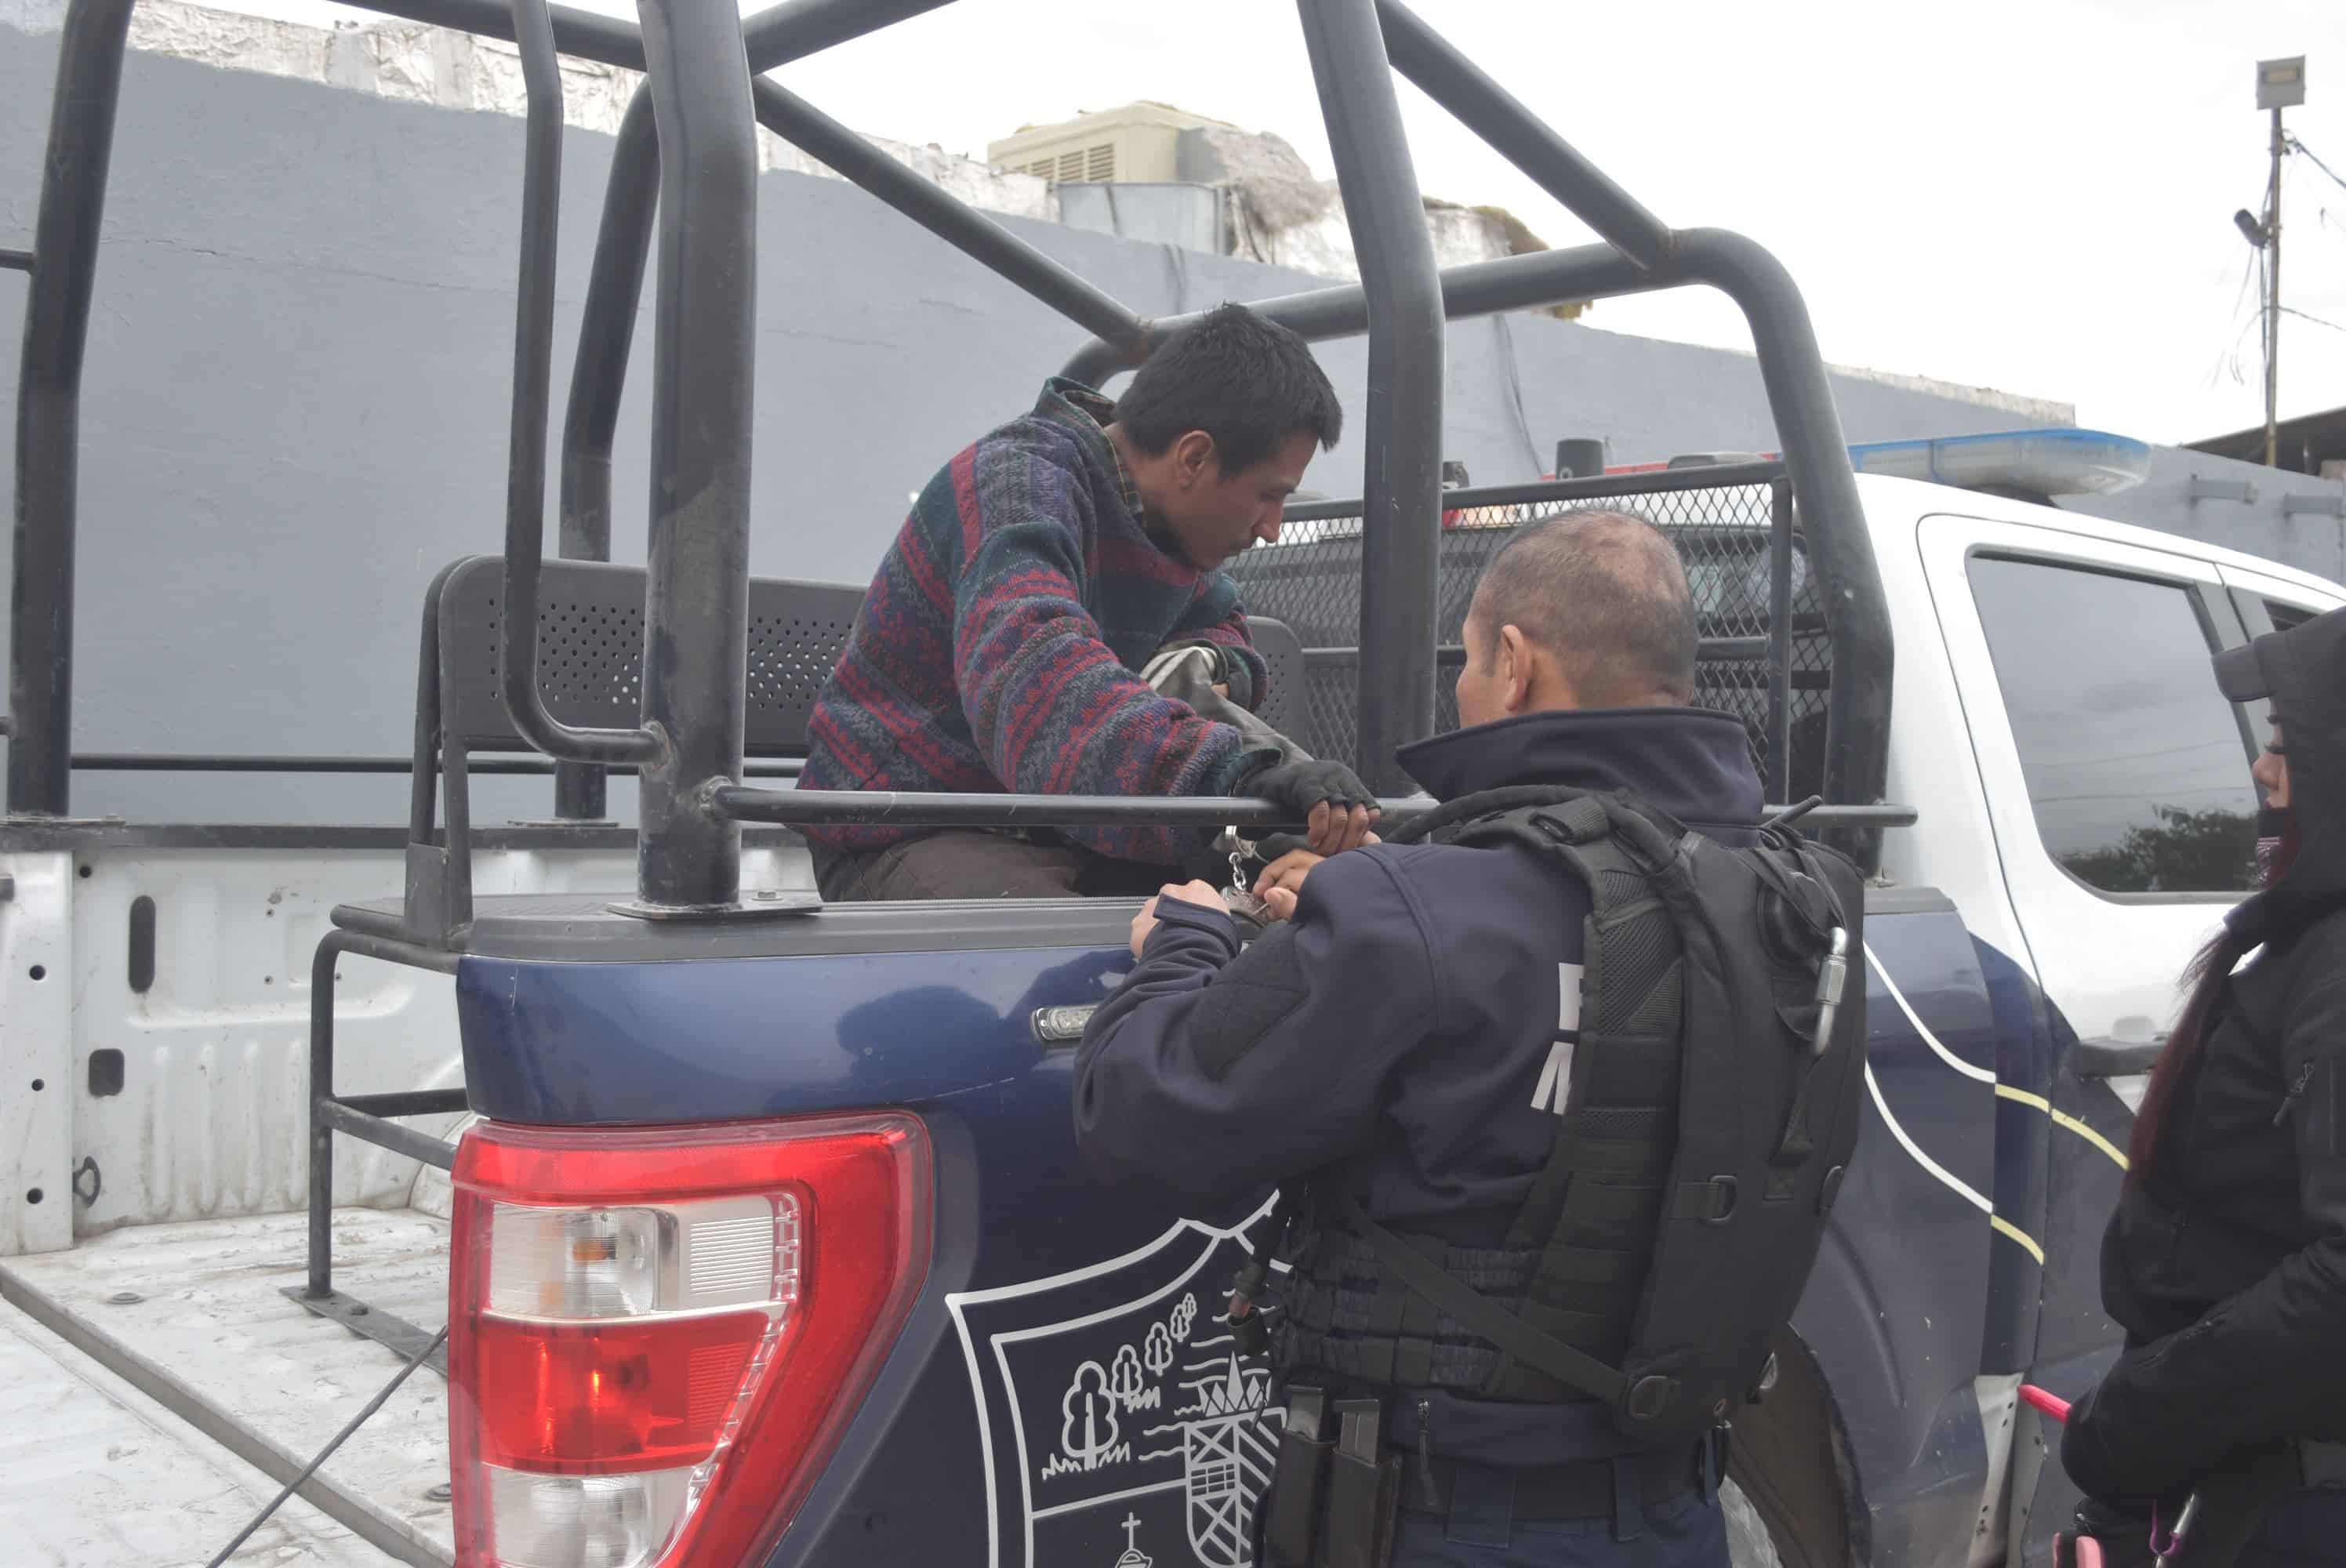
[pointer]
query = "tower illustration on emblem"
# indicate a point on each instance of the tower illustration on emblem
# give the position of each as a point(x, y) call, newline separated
point(1227, 1457)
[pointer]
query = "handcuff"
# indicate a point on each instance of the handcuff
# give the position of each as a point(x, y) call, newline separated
point(1238, 898)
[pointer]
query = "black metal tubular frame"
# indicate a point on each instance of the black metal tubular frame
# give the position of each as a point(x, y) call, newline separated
point(64, 275)
point(1824, 488)
point(227, 762)
point(541, 205)
point(1475, 288)
point(704, 339)
point(360, 1116)
point(905, 808)
point(1400, 285)
point(614, 290)
point(965, 227)
point(697, 554)
point(1520, 136)
point(696, 56)
point(615, 284)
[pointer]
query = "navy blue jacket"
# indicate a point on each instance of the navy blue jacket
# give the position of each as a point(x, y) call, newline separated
point(1402, 1022)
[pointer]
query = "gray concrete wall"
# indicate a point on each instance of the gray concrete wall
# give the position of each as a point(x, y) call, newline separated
point(2310, 540)
point(300, 360)
point(1189, 215)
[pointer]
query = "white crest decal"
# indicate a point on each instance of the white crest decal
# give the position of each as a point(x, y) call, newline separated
point(1116, 1414)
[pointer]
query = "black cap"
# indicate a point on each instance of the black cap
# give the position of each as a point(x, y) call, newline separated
point(2240, 674)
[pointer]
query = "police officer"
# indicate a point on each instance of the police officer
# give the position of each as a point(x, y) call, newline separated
point(1411, 1033)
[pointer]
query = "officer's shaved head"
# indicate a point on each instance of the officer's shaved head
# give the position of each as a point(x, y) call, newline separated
point(1602, 593)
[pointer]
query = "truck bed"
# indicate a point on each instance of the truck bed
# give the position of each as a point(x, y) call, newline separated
point(131, 1359)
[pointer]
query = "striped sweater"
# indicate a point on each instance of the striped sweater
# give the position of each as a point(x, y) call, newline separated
point(996, 650)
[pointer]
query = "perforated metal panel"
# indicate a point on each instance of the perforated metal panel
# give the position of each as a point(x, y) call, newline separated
point(797, 631)
point(590, 656)
point(1283, 706)
point(590, 630)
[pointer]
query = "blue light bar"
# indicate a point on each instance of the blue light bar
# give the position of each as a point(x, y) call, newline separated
point(2034, 461)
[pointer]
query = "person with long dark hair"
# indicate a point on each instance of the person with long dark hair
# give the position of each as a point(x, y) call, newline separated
point(2226, 1260)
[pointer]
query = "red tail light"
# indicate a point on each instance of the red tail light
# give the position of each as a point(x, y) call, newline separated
point(657, 1334)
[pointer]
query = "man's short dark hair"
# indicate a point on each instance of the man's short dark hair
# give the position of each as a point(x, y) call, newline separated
point(1248, 383)
point(1604, 594)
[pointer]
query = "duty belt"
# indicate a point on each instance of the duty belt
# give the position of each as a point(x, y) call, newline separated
point(1591, 1489)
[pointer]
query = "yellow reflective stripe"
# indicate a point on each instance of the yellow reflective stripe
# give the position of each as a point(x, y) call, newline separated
point(2005, 1228)
point(2062, 1119)
point(2091, 1136)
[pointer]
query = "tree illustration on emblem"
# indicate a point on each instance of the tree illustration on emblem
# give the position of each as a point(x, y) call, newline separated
point(1088, 1433)
point(1124, 1380)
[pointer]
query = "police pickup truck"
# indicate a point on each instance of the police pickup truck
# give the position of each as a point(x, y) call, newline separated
point(600, 1200)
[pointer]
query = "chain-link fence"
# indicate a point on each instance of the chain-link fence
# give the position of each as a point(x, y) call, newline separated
point(1312, 580)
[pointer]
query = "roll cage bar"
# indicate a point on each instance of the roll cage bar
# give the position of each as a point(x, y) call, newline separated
point(687, 152)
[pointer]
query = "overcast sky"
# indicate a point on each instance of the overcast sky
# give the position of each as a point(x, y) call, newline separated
point(2031, 195)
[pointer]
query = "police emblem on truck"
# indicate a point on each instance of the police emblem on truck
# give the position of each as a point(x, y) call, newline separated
point(1117, 1414)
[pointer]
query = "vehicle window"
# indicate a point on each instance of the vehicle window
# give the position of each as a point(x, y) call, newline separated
point(2287, 616)
point(2135, 765)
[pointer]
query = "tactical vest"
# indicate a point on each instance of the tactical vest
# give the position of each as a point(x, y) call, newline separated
point(1713, 1105)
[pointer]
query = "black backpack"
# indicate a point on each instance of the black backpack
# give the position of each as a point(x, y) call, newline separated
point(1744, 959)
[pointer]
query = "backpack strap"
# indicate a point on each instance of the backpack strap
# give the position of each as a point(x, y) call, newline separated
point(1820, 907)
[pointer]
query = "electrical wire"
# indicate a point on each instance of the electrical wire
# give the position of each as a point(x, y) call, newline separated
point(2305, 316)
point(2230, 356)
point(2240, 295)
point(2297, 145)
point(332, 1444)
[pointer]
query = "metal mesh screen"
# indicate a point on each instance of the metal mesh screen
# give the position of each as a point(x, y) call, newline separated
point(1312, 580)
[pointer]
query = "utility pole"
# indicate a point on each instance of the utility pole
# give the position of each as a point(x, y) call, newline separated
point(2281, 83)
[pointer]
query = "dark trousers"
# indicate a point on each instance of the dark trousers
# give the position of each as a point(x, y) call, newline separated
point(1480, 1531)
point(980, 865)
point(2301, 1530)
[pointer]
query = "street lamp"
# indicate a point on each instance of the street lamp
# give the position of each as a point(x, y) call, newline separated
point(2280, 85)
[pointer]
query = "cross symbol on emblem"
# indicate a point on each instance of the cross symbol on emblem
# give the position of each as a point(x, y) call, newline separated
point(1133, 1556)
